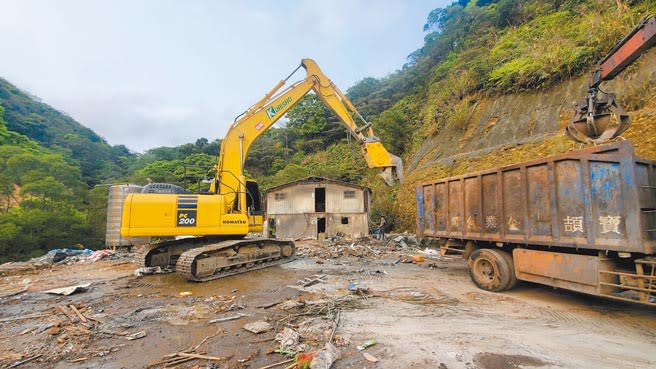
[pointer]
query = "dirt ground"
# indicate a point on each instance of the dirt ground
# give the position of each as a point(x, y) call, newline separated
point(424, 315)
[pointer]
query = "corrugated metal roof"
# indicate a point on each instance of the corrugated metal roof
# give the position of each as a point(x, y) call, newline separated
point(313, 179)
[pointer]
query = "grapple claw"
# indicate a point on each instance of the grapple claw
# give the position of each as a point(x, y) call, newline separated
point(598, 119)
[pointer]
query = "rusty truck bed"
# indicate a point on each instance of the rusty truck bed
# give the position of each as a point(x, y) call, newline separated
point(599, 198)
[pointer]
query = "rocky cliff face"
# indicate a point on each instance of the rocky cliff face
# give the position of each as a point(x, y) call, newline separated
point(501, 130)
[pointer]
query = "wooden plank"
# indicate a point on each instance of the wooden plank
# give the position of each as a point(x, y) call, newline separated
point(204, 357)
point(77, 312)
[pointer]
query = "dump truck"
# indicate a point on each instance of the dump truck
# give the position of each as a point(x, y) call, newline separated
point(583, 221)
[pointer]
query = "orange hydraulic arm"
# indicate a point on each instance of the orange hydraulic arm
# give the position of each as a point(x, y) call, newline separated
point(625, 52)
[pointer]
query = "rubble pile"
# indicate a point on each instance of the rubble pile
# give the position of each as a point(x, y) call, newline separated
point(66, 332)
point(80, 324)
point(307, 329)
point(64, 256)
point(366, 247)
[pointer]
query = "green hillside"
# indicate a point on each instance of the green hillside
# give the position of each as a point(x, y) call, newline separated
point(489, 87)
point(43, 199)
point(474, 50)
point(97, 160)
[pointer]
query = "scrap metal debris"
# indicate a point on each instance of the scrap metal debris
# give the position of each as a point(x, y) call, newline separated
point(302, 324)
point(227, 318)
point(63, 256)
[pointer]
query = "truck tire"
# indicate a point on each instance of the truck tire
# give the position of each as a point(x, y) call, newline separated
point(490, 270)
point(511, 265)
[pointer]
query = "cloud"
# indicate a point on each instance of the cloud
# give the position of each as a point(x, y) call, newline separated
point(142, 122)
point(165, 72)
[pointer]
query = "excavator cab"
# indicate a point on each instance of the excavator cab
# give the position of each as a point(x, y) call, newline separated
point(253, 199)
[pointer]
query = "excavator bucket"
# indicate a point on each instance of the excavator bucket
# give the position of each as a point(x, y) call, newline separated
point(394, 174)
point(598, 119)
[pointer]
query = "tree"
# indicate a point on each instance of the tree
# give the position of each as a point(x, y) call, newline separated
point(394, 131)
point(26, 116)
point(315, 126)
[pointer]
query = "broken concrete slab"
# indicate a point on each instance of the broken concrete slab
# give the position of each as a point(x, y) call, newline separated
point(140, 272)
point(257, 327)
point(325, 357)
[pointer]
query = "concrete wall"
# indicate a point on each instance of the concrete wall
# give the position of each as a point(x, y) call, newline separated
point(300, 199)
point(299, 226)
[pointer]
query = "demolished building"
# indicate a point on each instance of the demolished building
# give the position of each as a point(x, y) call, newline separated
point(316, 207)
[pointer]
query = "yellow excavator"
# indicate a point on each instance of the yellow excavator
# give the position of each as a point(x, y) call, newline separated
point(221, 218)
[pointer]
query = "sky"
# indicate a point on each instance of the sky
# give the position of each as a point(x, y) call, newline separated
point(163, 73)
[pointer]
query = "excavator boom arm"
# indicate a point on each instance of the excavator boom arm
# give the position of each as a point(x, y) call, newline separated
point(268, 110)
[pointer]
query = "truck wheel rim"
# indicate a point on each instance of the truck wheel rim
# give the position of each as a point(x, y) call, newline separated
point(486, 271)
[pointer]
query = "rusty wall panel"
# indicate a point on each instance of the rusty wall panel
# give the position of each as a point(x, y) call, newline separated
point(607, 201)
point(539, 201)
point(472, 205)
point(646, 179)
point(574, 272)
point(440, 207)
point(454, 199)
point(299, 226)
point(429, 214)
point(571, 202)
point(513, 203)
point(491, 215)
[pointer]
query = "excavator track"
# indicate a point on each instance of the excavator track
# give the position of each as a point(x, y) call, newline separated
point(232, 257)
point(165, 254)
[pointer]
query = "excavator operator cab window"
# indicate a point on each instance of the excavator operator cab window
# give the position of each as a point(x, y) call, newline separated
point(253, 198)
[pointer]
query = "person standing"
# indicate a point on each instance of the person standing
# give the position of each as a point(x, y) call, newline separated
point(380, 231)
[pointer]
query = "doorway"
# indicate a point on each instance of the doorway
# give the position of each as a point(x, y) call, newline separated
point(320, 200)
point(321, 228)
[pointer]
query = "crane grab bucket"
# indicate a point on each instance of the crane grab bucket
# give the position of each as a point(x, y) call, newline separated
point(600, 118)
